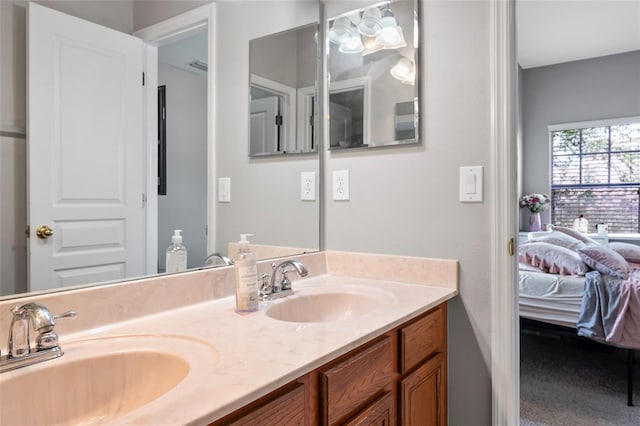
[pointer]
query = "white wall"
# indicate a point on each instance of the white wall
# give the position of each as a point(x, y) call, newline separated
point(405, 200)
point(591, 89)
point(265, 192)
point(185, 205)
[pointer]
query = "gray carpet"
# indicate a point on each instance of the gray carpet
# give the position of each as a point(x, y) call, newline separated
point(571, 381)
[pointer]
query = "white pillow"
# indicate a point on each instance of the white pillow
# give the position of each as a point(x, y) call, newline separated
point(575, 234)
point(558, 239)
point(552, 259)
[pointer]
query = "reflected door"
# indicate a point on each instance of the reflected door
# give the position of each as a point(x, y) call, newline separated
point(264, 132)
point(86, 173)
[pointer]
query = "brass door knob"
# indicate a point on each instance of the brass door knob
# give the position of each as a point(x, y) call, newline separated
point(44, 232)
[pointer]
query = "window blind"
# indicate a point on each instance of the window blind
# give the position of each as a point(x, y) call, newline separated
point(595, 171)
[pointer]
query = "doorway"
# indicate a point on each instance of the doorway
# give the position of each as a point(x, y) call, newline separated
point(182, 76)
point(193, 31)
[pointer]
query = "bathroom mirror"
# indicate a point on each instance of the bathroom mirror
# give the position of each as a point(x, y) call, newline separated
point(373, 66)
point(282, 85)
point(265, 196)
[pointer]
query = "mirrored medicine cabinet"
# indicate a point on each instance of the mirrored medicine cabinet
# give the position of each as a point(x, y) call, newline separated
point(373, 64)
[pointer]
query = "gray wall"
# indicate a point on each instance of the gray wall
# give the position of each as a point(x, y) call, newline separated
point(274, 57)
point(185, 205)
point(405, 200)
point(149, 12)
point(591, 89)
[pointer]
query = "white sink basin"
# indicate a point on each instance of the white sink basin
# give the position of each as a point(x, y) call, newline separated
point(99, 380)
point(329, 304)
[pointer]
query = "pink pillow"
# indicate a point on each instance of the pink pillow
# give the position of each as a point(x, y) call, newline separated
point(552, 259)
point(575, 234)
point(630, 252)
point(604, 260)
point(559, 239)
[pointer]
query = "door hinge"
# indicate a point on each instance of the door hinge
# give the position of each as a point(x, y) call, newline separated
point(511, 247)
point(27, 231)
point(144, 200)
point(143, 78)
point(278, 120)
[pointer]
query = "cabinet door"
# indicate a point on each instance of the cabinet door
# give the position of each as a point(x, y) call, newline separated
point(422, 395)
point(381, 412)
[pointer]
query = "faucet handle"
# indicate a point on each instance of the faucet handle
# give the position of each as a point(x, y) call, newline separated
point(68, 314)
point(286, 282)
point(265, 287)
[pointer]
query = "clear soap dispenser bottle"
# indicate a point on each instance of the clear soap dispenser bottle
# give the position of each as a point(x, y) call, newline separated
point(246, 274)
point(176, 254)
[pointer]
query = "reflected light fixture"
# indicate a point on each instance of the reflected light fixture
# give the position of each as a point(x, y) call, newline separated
point(370, 45)
point(371, 23)
point(404, 71)
point(390, 34)
point(340, 31)
point(353, 44)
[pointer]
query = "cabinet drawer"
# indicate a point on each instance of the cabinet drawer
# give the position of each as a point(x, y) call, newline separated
point(350, 383)
point(381, 412)
point(286, 409)
point(421, 339)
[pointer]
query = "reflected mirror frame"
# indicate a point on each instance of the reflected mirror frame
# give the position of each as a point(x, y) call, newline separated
point(297, 102)
point(399, 110)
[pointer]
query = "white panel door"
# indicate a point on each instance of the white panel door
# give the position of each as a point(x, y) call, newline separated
point(85, 151)
point(263, 130)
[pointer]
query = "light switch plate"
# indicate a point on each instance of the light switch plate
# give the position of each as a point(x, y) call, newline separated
point(341, 185)
point(471, 183)
point(308, 186)
point(224, 190)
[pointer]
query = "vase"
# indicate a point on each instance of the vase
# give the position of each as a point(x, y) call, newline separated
point(534, 222)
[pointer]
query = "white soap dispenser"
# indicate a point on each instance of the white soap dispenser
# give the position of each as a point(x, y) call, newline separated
point(176, 254)
point(246, 274)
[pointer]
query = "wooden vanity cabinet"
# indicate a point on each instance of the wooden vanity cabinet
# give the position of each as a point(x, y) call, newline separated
point(400, 378)
point(422, 398)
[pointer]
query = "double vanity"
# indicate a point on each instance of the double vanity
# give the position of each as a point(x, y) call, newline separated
point(362, 339)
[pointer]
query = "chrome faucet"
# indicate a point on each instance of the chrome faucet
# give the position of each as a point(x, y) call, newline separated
point(20, 352)
point(210, 260)
point(271, 288)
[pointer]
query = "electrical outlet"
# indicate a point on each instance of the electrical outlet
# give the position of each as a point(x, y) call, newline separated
point(308, 186)
point(341, 185)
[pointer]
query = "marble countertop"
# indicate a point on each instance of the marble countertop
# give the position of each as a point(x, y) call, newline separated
point(243, 356)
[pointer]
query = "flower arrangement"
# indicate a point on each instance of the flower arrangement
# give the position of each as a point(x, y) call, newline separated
point(535, 202)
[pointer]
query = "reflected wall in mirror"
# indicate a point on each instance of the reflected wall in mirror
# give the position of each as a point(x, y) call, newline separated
point(266, 195)
point(283, 69)
point(373, 60)
point(265, 189)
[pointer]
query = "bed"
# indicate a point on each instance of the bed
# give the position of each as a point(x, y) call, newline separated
point(553, 288)
point(551, 298)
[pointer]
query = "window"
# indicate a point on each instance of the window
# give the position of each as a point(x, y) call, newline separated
point(595, 171)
